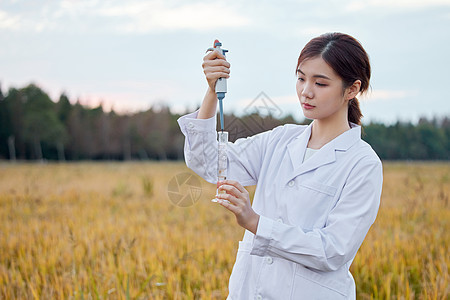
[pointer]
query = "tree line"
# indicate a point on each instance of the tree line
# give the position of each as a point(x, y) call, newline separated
point(33, 127)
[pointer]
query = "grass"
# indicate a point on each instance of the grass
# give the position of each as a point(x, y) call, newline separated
point(110, 231)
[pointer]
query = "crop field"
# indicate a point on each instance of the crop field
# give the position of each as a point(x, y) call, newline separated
point(135, 231)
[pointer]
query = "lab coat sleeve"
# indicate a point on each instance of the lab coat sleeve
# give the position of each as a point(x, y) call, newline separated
point(330, 247)
point(200, 151)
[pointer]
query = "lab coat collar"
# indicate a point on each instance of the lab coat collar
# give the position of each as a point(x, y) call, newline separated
point(326, 154)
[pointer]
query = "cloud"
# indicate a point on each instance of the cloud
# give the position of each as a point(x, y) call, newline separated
point(135, 16)
point(8, 21)
point(355, 6)
point(143, 17)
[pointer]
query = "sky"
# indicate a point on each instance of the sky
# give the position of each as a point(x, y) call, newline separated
point(133, 55)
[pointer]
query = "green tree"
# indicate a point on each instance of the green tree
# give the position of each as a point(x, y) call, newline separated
point(12, 123)
point(5, 127)
point(41, 123)
point(63, 108)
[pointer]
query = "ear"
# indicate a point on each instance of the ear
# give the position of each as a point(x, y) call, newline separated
point(353, 90)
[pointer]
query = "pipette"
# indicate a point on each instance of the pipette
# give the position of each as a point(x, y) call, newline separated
point(221, 84)
point(222, 161)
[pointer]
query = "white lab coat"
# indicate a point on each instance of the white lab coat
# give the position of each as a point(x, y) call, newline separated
point(314, 215)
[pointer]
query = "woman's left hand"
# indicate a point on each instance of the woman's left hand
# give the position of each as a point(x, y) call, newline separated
point(239, 204)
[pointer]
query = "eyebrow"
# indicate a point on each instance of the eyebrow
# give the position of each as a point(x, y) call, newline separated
point(316, 75)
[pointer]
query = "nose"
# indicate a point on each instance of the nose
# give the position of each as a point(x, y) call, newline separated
point(307, 92)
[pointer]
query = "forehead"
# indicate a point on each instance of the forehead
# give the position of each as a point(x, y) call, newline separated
point(317, 66)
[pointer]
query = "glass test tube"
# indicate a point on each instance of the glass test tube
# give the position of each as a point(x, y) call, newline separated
point(222, 160)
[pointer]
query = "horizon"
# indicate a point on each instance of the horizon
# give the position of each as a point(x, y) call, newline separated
point(157, 107)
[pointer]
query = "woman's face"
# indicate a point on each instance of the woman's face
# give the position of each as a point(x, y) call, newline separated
point(320, 90)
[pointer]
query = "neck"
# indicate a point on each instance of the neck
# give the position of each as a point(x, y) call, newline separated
point(325, 130)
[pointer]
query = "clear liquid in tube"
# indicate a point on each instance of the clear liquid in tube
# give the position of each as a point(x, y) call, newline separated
point(222, 159)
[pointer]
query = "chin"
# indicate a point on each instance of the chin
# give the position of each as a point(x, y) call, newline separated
point(309, 115)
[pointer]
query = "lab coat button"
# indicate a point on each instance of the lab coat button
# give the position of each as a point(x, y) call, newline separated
point(259, 297)
point(291, 183)
point(269, 260)
point(191, 125)
point(279, 220)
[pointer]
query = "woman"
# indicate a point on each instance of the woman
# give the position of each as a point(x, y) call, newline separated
point(318, 186)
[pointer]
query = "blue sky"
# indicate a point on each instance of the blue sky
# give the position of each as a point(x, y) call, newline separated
point(131, 55)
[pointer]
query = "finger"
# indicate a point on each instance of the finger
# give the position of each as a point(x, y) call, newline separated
point(212, 63)
point(211, 69)
point(228, 197)
point(228, 205)
point(219, 183)
point(213, 55)
point(231, 190)
point(237, 185)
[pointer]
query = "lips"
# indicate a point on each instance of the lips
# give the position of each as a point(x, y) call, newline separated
point(307, 106)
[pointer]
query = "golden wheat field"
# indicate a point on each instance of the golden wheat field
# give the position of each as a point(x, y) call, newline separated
point(110, 231)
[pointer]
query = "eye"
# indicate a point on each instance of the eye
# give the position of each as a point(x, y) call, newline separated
point(301, 79)
point(320, 84)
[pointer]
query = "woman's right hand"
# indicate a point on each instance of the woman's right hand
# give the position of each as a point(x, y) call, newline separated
point(215, 66)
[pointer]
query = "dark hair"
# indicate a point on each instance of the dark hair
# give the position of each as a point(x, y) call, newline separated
point(347, 58)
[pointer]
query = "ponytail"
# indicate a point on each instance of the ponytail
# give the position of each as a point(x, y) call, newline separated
point(354, 112)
